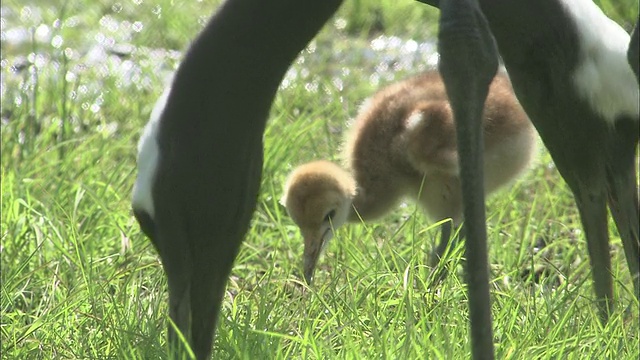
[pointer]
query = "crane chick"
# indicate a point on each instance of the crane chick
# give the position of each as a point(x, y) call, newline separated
point(403, 144)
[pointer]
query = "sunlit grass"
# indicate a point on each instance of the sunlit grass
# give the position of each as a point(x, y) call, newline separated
point(79, 280)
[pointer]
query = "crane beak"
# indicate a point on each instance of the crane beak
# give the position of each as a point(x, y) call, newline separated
point(314, 243)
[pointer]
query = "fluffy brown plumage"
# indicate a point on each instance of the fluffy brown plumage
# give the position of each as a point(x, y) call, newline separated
point(403, 144)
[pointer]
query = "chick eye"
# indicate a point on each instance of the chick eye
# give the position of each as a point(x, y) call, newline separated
point(329, 216)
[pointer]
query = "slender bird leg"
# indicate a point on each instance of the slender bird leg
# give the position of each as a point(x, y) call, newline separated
point(445, 236)
point(585, 170)
point(435, 257)
point(623, 192)
point(446, 241)
point(592, 205)
point(468, 63)
point(632, 54)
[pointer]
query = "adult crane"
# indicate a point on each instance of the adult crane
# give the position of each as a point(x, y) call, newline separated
point(197, 216)
point(569, 65)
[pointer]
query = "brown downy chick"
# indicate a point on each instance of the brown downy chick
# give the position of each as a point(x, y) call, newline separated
point(318, 197)
point(403, 144)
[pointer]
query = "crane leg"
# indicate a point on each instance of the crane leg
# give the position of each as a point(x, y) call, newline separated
point(468, 64)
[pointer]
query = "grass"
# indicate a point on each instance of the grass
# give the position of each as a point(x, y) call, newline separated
point(79, 280)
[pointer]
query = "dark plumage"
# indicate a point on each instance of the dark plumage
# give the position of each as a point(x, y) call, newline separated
point(202, 155)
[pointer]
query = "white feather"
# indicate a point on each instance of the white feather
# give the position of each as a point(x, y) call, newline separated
point(603, 77)
point(148, 157)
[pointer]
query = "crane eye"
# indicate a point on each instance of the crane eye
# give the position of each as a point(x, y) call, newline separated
point(329, 216)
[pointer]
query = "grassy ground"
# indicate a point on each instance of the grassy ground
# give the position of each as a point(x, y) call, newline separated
point(79, 280)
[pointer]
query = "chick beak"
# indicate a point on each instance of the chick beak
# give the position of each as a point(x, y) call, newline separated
point(313, 244)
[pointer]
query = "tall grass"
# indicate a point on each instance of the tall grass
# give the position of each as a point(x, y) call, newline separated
point(79, 280)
